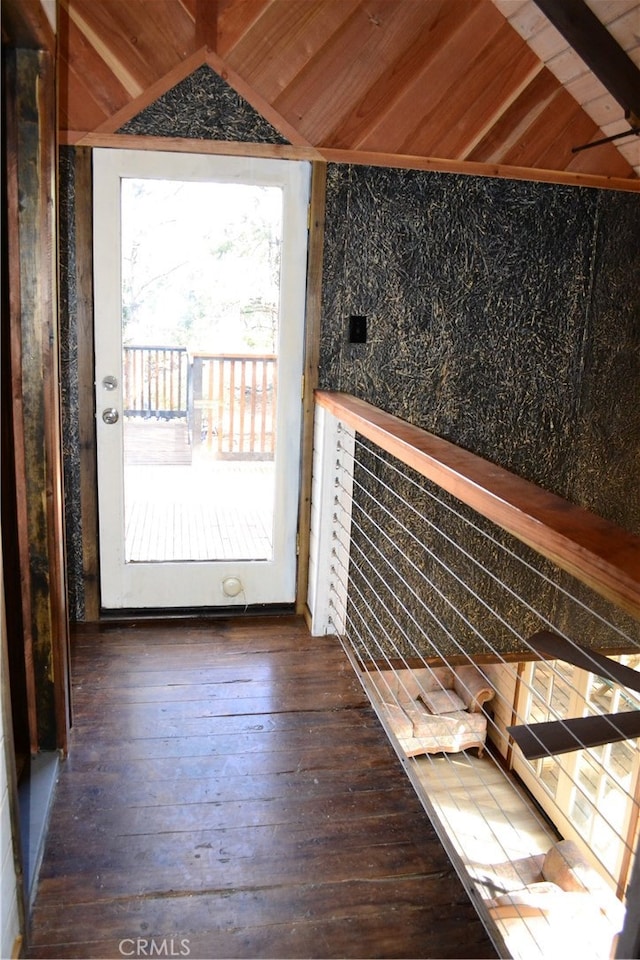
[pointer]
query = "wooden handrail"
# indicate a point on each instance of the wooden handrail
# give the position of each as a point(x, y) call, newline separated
point(594, 550)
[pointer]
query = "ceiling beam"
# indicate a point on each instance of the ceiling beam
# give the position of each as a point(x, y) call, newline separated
point(600, 51)
point(207, 24)
point(538, 740)
point(562, 736)
point(559, 648)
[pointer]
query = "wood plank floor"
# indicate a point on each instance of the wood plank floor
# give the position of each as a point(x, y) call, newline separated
point(230, 793)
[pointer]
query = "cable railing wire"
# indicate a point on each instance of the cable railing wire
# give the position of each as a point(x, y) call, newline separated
point(410, 616)
point(442, 504)
point(449, 823)
point(539, 614)
point(383, 655)
point(477, 597)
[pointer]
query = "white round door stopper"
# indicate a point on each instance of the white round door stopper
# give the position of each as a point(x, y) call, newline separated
point(231, 586)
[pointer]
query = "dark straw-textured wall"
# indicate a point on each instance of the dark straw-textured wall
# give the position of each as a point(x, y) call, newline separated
point(504, 316)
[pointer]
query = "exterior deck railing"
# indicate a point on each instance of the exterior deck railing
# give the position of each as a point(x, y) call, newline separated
point(228, 400)
point(155, 381)
point(234, 404)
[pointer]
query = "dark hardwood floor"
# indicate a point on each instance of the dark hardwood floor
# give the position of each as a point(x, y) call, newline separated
point(230, 793)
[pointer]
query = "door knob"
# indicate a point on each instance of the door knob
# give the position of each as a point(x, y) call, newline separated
point(110, 415)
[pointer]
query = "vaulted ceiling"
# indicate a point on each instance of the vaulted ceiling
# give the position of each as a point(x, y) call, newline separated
point(480, 86)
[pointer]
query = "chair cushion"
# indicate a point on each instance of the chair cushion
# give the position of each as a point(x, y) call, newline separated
point(441, 701)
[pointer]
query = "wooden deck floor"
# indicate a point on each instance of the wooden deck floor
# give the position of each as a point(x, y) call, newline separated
point(209, 511)
point(184, 504)
point(229, 789)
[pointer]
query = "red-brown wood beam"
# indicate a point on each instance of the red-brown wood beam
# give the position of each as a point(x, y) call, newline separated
point(207, 24)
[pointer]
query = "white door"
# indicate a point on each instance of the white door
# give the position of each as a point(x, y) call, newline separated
point(200, 270)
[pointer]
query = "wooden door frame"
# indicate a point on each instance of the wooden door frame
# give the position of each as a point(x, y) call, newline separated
point(83, 219)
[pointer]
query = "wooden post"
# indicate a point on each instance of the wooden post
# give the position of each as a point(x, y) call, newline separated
point(310, 381)
point(33, 319)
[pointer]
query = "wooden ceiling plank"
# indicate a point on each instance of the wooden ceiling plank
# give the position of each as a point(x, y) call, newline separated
point(603, 110)
point(80, 57)
point(513, 93)
point(625, 29)
point(75, 104)
point(346, 67)
point(607, 157)
point(587, 87)
point(547, 43)
point(434, 85)
point(235, 20)
point(630, 149)
point(285, 39)
point(616, 126)
point(509, 7)
point(207, 24)
point(567, 66)
point(578, 129)
point(528, 20)
point(609, 11)
point(491, 81)
point(154, 36)
point(93, 36)
point(153, 92)
point(634, 54)
point(383, 96)
point(507, 132)
point(170, 31)
point(477, 169)
point(136, 44)
point(543, 132)
point(256, 100)
point(189, 7)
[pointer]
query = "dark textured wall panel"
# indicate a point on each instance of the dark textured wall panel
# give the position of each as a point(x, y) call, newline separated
point(476, 293)
point(503, 316)
point(69, 382)
point(607, 436)
point(203, 107)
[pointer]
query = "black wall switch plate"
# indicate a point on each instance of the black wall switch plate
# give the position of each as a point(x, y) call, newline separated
point(357, 329)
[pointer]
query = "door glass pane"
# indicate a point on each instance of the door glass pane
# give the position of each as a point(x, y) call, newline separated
point(548, 771)
point(621, 763)
point(549, 701)
point(200, 312)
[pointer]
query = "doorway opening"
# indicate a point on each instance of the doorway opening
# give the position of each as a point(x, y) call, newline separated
point(200, 278)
